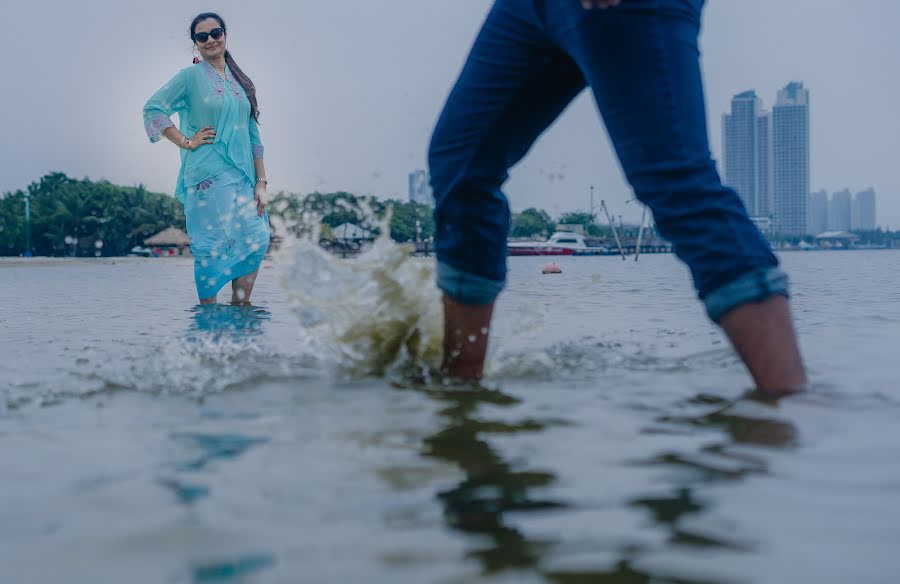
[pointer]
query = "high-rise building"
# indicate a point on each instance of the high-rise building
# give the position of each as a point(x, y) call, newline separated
point(419, 188)
point(740, 143)
point(839, 211)
point(818, 212)
point(747, 146)
point(864, 211)
point(764, 164)
point(790, 160)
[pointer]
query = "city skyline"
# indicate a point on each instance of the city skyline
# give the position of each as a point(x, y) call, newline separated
point(767, 158)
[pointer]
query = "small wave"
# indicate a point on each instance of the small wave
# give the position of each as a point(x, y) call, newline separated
point(584, 359)
point(194, 367)
point(202, 365)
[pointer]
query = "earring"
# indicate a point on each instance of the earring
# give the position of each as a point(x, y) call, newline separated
point(196, 55)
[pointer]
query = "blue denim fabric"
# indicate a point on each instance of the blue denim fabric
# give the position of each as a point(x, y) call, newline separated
point(465, 287)
point(641, 62)
point(751, 287)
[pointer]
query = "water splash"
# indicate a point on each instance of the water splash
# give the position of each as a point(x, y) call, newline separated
point(378, 314)
point(223, 348)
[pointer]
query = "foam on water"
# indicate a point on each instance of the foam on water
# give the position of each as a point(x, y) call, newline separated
point(222, 350)
point(225, 347)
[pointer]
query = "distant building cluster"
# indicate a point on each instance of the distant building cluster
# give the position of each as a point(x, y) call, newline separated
point(420, 188)
point(766, 160)
point(842, 211)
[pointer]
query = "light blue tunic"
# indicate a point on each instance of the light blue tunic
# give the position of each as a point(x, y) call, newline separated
point(216, 181)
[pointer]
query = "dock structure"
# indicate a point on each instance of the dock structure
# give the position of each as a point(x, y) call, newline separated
point(628, 249)
point(426, 249)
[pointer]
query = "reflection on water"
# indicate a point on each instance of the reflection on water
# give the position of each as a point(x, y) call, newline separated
point(231, 570)
point(493, 486)
point(203, 450)
point(748, 421)
point(231, 321)
point(209, 448)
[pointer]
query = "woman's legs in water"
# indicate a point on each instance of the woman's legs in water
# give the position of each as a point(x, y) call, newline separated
point(241, 288)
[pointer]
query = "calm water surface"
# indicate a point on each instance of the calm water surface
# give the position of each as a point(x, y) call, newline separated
point(147, 440)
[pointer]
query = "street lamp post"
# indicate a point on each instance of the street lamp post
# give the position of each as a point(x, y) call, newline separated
point(591, 211)
point(27, 225)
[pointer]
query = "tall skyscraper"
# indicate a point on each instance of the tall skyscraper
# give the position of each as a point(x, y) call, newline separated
point(419, 188)
point(818, 212)
point(839, 211)
point(790, 159)
point(740, 142)
point(864, 211)
point(764, 164)
point(747, 145)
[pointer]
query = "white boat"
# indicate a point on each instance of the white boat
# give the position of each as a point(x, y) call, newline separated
point(560, 243)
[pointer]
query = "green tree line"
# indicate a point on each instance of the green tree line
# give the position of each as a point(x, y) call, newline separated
point(332, 209)
point(88, 218)
point(97, 218)
point(83, 217)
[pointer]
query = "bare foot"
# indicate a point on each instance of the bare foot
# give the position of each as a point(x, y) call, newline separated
point(466, 329)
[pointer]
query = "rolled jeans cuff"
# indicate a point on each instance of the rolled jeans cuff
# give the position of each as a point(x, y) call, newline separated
point(467, 288)
point(755, 286)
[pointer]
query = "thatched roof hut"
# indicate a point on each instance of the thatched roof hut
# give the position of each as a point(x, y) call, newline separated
point(349, 231)
point(168, 237)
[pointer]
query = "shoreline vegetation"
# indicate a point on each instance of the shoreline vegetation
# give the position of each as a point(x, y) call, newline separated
point(72, 218)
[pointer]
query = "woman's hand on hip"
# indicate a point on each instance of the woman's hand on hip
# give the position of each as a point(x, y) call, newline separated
point(205, 135)
point(261, 195)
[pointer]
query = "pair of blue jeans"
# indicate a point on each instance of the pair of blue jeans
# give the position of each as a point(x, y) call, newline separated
point(641, 61)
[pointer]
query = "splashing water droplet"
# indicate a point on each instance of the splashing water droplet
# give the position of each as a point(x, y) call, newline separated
point(379, 313)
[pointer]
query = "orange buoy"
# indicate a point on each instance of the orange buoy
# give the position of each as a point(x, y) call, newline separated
point(551, 268)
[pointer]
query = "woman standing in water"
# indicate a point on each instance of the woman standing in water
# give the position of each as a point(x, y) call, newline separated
point(222, 181)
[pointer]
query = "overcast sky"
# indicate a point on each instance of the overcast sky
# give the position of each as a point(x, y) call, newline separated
point(350, 90)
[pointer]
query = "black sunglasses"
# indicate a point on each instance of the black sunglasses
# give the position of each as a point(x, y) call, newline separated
point(216, 33)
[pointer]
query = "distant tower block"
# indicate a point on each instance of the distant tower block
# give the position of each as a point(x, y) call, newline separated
point(419, 188)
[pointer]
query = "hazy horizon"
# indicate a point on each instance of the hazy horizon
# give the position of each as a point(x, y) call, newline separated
point(349, 93)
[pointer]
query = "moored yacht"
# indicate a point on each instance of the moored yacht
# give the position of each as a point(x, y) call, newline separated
point(560, 243)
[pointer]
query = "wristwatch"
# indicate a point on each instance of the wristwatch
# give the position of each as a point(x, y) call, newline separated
point(262, 180)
